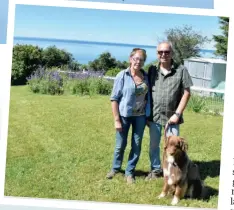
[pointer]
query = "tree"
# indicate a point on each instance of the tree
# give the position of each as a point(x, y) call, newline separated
point(186, 42)
point(122, 65)
point(104, 62)
point(222, 40)
point(54, 57)
point(26, 59)
point(74, 66)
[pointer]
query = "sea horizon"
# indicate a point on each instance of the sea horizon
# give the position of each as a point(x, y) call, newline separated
point(93, 42)
point(85, 51)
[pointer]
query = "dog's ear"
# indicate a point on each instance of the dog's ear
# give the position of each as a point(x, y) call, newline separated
point(183, 145)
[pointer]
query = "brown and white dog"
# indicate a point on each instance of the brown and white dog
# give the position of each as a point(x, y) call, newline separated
point(181, 175)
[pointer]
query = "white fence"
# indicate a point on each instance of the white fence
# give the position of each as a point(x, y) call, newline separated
point(209, 100)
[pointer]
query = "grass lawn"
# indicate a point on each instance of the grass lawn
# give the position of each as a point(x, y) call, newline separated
point(62, 147)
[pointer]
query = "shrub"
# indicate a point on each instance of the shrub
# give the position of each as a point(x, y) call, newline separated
point(88, 86)
point(50, 81)
point(26, 59)
point(79, 87)
point(100, 86)
point(112, 72)
point(50, 86)
point(196, 103)
point(106, 87)
point(34, 85)
point(46, 82)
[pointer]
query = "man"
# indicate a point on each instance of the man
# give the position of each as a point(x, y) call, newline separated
point(170, 91)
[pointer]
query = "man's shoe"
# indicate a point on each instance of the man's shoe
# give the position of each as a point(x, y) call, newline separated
point(130, 179)
point(154, 175)
point(111, 174)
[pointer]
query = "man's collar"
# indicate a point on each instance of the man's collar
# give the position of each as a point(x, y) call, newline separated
point(165, 71)
point(173, 65)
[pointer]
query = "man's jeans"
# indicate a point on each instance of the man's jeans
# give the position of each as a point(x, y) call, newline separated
point(155, 130)
point(138, 125)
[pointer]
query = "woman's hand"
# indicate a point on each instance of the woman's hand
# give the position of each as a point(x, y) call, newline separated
point(118, 125)
point(148, 123)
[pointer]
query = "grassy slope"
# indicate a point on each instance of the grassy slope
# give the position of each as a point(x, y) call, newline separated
point(62, 147)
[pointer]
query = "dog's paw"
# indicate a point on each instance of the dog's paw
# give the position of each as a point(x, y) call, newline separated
point(162, 195)
point(170, 182)
point(175, 200)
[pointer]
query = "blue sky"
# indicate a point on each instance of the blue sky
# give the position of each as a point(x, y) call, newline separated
point(207, 4)
point(105, 25)
point(3, 20)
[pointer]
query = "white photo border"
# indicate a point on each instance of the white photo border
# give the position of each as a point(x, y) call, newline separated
point(225, 184)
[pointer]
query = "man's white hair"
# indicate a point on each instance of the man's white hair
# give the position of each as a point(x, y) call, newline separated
point(167, 42)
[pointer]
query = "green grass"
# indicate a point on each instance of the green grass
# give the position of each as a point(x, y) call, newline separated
point(62, 147)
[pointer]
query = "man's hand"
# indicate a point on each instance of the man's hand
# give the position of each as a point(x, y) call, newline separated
point(173, 119)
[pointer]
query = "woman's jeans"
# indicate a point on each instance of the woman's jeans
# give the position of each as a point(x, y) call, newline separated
point(155, 130)
point(138, 125)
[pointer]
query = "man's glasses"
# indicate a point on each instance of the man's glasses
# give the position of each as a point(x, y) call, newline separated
point(160, 52)
point(138, 59)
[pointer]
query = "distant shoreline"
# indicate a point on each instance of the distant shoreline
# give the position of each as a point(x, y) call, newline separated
point(91, 42)
point(82, 42)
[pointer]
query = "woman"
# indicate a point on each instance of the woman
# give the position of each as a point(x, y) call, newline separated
point(130, 106)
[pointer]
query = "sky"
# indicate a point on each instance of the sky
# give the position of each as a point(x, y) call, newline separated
point(207, 4)
point(142, 28)
point(3, 20)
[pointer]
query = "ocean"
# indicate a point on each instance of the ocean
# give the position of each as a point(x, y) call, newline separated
point(85, 51)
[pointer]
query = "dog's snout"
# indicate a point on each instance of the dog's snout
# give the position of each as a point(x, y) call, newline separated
point(171, 150)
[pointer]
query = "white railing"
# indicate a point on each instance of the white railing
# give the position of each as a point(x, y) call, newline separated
point(211, 100)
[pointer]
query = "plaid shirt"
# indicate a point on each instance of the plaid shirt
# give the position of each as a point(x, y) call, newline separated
point(167, 91)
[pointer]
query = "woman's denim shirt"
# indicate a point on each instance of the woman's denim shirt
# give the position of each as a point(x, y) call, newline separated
point(124, 93)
